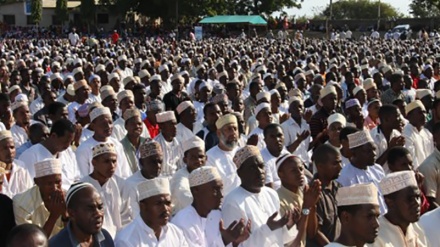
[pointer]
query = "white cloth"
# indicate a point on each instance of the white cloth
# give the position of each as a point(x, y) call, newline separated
point(115, 210)
point(260, 133)
point(223, 161)
point(19, 135)
point(36, 105)
point(139, 234)
point(199, 231)
point(62, 100)
point(382, 144)
point(85, 134)
point(172, 156)
point(130, 193)
point(429, 223)
point(183, 133)
point(19, 182)
point(291, 129)
point(180, 191)
point(69, 167)
point(124, 73)
point(84, 157)
point(73, 38)
point(71, 109)
point(94, 98)
point(119, 130)
point(257, 207)
point(271, 168)
point(419, 143)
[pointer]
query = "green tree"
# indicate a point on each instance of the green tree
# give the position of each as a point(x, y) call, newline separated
point(360, 9)
point(61, 11)
point(88, 12)
point(36, 10)
point(425, 8)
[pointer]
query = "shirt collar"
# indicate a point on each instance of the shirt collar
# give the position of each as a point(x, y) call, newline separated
point(99, 237)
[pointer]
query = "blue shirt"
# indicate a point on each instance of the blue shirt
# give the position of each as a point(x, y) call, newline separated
point(66, 238)
point(25, 146)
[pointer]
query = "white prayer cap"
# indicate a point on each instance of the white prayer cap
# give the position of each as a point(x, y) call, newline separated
point(263, 95)
point(122, 58)
point(351, 103)
point(21, 97)
point(138, 60)
point(299, 76)
point(17, 104)
point(77, 70)
point(127, 80)
point(260, 107)
point(156, 77)
point(56, 64)
point(336, 118)
point(149, 148)
point(100, 67)
point(106, 91)
point(103, 148)
point(267, 75)
point(99, 111)
point(222, 74)
point(77, 61)
point(396, 181)
point(70, 90)
point(225, 119)
point(4, 134)
point(76, 187)
point(333, 60)
point(364, 66)
point(79, 84)
point(125, 94)
point(184, 72)
point(420, 93)
point(13, 88)
point(183, 106)
point(193, 142)
point(333, 66)
point(357, 89)
point(245, 153)
point(93, 77)
point(386, 69)
point(369, 83)
point(329, 89)
point(203, 175)
point(130, 113)
point(357, 194)
point(113, 76)
point(55, 76)
point(153, 187)
point(201, 66)
point(166, 116)
point(295, 98)
point(143, 73)
point(359, 138)
point(204, 85)
point(274, 91)
point(162, 68)
point(47, 167)
point(309, 72)
point(414, 105)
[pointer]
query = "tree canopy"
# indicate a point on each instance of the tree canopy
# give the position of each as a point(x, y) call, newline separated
point(359, 9)
point(425, 8)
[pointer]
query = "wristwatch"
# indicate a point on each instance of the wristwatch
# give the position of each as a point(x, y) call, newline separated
point(305, 211)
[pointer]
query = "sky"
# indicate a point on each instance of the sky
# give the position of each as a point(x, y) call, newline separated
point(309, 7)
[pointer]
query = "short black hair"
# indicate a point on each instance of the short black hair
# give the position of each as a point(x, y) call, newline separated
point(54, 107)
point(271, 127)
point(395, 78)
point(23, 230)
point(138, 86)
point(395, 153)
point(62, 126)
point(4, 97)
point(207, 106)
point(386, 110)
point(320, 155)
point(347, 131)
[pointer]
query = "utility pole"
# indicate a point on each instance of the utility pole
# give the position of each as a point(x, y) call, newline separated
point(378, 16)
point(329, 18)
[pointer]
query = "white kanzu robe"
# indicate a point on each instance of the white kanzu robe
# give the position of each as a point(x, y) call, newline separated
point(19, 182)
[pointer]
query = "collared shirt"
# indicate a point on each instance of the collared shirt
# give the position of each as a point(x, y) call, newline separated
point(29, 208)
point(84, 157)
point(152, 129)
point(223, 161)
point(430, 168)
point(389, 96)
point(172, 156)
point(69, 169)
point(199, 231)
point(66, 238)
point(180, 191)
point(86, 133)
point(289, 199)
point(18, 182)
point(132, 153)
point(271, 168)
point(210, 138)
point(382, 143)
point(183, 133)
point(130, 193)
point(429, 223)
point(419, 143)
point(351, 175)
point(139, 234)
point(291, 129)
point(115, 210)
point(19, 135)
point(257, 207)
point(392, 235)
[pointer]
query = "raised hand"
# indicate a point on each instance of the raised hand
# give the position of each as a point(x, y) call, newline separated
point(397, 141)
point(236, 230)
point(308, 115)
point(311, 194)
point(275, 224)
point(253, 140)
point(56, 205)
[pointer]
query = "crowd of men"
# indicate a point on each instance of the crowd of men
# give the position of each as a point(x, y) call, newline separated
point(221, 142)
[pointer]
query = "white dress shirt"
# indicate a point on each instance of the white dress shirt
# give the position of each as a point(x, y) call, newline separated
point(130, 193)
point(271, 168)
point(223, 161)
point(139, 234)
point(172, 156)
point(429, 223)
point(19, 181)
point(291, 129)
point(19, 135)
point(419, 143)
point(181, 195)
point(382, 144)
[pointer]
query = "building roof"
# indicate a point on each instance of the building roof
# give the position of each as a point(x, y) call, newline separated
point(222, 19)
point(51, 4)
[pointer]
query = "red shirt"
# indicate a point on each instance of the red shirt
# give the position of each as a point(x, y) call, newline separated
point(115, 38)
point(152, 129)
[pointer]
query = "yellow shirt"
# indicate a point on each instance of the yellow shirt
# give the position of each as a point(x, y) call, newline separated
point(392, 235)
point(289, 200)
point(29, 208)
